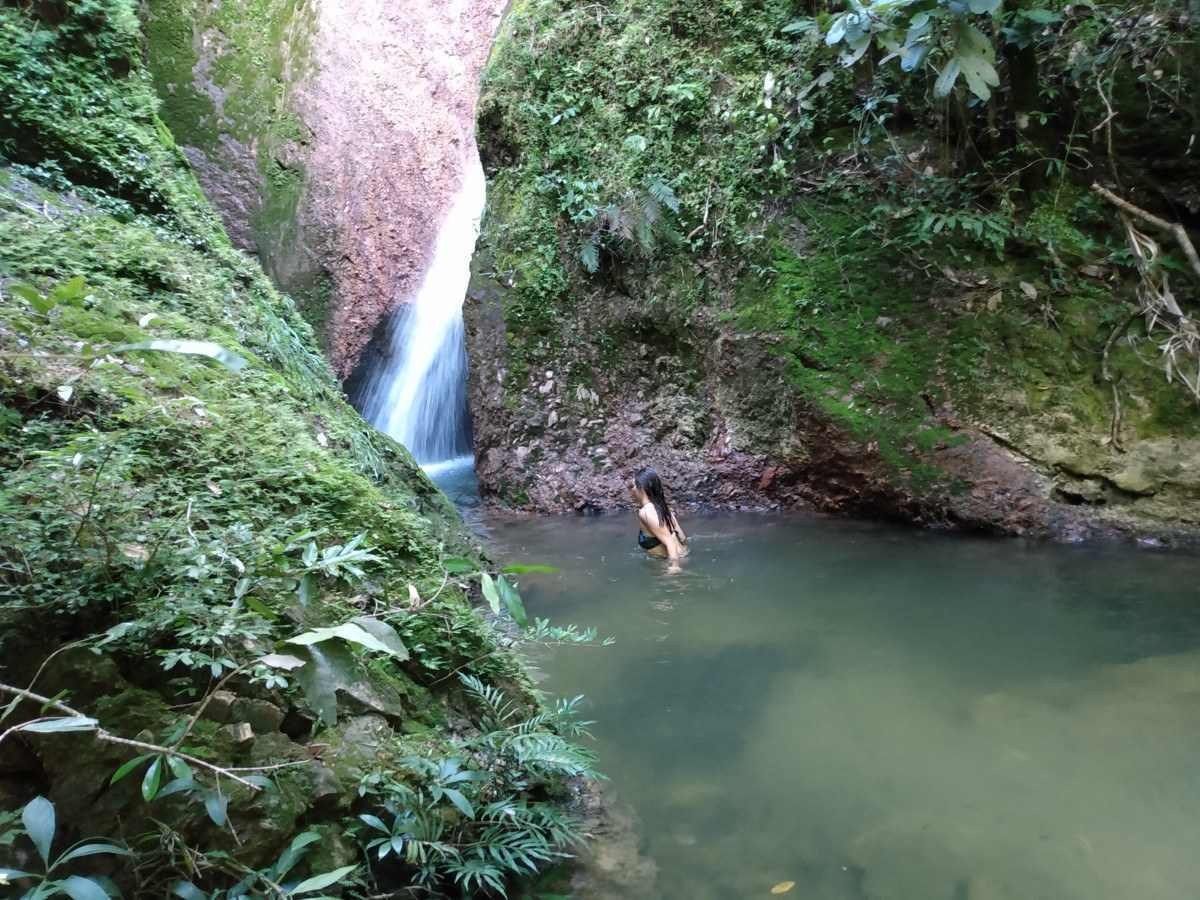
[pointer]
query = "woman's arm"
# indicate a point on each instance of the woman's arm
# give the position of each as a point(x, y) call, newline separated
point(666, 538)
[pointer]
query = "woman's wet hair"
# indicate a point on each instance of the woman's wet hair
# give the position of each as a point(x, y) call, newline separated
point(648, 482)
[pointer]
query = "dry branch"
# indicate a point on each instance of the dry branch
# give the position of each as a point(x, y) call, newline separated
point(110, 738)
point(1174, 228)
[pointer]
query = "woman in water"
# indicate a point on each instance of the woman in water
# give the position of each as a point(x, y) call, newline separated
point(659, 533)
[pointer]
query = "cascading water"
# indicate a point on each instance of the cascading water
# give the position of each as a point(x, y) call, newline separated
point(411, 383)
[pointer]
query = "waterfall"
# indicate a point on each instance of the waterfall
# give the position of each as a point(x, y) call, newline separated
point(412, 383)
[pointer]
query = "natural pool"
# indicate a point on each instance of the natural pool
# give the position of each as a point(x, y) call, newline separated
point(875, 712)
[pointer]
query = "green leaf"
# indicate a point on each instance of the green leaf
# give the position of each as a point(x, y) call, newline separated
point(527, 568)
point(152, 779)
point(318, 882)
point(375, 822)
point(256, 605)
point(799, 26)
point(328, 669)
point(981, 76)
point(281, 661)
point(636, 143)
point(353, 633)
point(79, 888)
point(33, 297)
point(207, 349)
point(837, 30)
point(54, 726)
point(589, 254)
point(26, 292)
point(176, 786)
point(945, 80)
point(292, 855)
point(306, 588)
point(97, 849)
point(1041, 16)
point(664, 194)
point(458, 565)
point(128, 767)
point(14, 874)
point(384, 633)
point(856, 49)
point(38, 819)
point(489, 592)
point(216, 805)
point(460, 802)
point(179, 768)
point(187, 891)
point(983, 6)
point(512, 602)
point(69, 291)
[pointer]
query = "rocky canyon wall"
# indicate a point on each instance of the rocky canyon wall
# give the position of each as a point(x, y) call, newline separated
point(329, 134)
point(701, 254)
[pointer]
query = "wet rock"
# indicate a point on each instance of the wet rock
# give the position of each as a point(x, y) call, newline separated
point(240, 732)
point(611, 864)
point(220, 707)
point(264, 717)
point(354, 746)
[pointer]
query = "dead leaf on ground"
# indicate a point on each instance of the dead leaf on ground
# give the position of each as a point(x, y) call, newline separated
point(783, 887)
point(1028, 290)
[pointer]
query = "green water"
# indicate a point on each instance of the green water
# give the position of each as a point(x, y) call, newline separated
point(874, 712)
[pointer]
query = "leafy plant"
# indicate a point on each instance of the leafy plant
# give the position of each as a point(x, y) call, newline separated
point(636, 222)
point(272, 881)
point(40, 827)
point(919, 33)
point(470, 818)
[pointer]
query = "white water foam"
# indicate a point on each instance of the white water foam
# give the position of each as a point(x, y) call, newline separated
point(419, 395)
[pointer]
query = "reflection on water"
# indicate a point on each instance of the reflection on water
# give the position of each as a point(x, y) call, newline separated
point(883, 713)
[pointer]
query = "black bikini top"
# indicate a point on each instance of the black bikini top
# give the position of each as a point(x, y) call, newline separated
point(647, 541)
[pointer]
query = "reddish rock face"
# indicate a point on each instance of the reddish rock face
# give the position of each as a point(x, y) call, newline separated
point(382, 96)
point(392, 111)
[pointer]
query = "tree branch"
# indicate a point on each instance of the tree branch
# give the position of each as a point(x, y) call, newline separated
point(110, 738)
point(1174, 228)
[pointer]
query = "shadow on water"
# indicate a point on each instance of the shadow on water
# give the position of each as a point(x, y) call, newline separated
point(877, 712)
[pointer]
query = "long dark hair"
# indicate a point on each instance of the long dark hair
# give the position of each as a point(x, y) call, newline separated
point(650, 484)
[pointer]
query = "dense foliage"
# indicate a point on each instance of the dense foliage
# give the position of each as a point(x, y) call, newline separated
point(897, 192)
point(212, 571)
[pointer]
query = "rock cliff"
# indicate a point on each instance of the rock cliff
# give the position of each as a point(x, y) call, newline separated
point(329, 135)
point(712, 248)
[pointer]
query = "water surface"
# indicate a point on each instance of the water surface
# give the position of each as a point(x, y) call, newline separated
point(875, 712)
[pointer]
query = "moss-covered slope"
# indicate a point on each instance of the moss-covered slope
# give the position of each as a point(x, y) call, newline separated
point(712, 248)
point(182, 489)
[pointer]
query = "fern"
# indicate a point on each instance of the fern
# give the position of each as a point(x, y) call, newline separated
point(589, 253)
point(469, 819)
point(475, 875)
point(550, 754)
point(498, 709)
point(637, 220)
point(663, 193)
